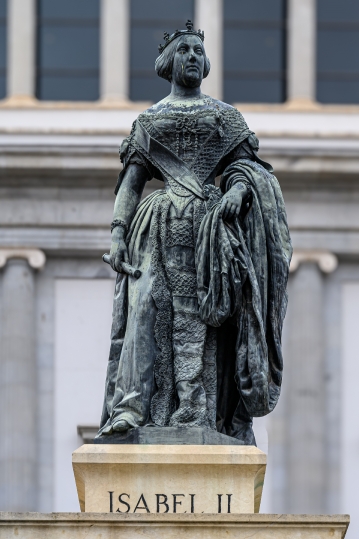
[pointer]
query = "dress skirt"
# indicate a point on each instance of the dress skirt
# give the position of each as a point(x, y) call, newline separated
point(162, 364)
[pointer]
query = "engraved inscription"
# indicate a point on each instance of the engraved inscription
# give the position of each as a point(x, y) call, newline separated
point(123, 502)
point(176, 502)
point(163, 503)
point(143, 506)
point(229, 499)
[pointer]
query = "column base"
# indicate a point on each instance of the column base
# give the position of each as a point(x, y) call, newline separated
point(302, 104)
point(20, 101)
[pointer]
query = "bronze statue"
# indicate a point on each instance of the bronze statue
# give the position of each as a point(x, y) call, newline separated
point(196, 339)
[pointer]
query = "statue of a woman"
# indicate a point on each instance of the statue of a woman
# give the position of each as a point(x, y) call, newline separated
point(196, 340)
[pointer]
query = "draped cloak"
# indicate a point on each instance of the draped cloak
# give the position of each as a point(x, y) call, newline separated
point(241, 272)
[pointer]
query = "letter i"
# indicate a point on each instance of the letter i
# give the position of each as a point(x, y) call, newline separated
point(219, 503)
point(111, 501)
point(229, 496)
point(192, 502)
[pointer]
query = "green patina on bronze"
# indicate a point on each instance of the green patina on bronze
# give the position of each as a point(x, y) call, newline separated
point(196, 339)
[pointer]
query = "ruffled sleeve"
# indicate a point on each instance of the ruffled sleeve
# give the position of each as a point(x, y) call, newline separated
point(129, 156)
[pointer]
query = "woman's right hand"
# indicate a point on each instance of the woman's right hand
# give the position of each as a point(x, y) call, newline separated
point(118, 253)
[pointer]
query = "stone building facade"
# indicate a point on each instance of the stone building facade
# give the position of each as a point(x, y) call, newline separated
point(58, 167)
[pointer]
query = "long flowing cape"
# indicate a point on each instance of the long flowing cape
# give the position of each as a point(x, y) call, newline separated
point(242, 272)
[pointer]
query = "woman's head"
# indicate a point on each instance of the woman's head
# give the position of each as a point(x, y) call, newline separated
point(184, 61)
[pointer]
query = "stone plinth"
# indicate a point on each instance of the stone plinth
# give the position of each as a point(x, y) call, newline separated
point(168, 436)
point(143, 479)
point(168, 526)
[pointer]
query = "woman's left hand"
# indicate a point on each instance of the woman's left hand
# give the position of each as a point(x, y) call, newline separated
point(232, 203)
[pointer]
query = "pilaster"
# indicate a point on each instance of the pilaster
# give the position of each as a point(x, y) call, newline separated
point(114, 46)
point(18, 473)
point(209, 17)
point(305, 402)
point(21, 47)
point(301, 55)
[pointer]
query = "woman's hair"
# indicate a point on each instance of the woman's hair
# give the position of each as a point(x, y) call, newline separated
point(164, 63)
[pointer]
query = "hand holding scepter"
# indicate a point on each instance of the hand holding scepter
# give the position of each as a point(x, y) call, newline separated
point(118, 257)
point(125, 267)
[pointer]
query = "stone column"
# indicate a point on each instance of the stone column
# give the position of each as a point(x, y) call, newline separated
point(115, 53)
point(301, 51)
point(18, 481)
point(209, 17)
point(304, 379)
point(21, 49)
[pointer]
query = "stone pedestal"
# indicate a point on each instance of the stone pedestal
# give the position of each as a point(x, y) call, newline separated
point(143, 479)
point(156, 491)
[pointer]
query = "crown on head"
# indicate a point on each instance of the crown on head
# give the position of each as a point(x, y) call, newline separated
point(169, 38)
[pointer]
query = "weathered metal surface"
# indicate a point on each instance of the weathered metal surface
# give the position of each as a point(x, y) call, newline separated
point(196, 340)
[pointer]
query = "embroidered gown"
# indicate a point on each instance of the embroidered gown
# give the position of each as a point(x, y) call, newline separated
point(179, 344)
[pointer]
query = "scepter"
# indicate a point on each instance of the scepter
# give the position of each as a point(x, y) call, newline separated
point(126, 268)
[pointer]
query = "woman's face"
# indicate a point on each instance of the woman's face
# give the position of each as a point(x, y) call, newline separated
point(188, 63)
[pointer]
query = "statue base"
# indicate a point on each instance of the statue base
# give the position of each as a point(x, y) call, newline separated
point(143, 479)
point(168, 436)
point(168, 526)
point(145, 490)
